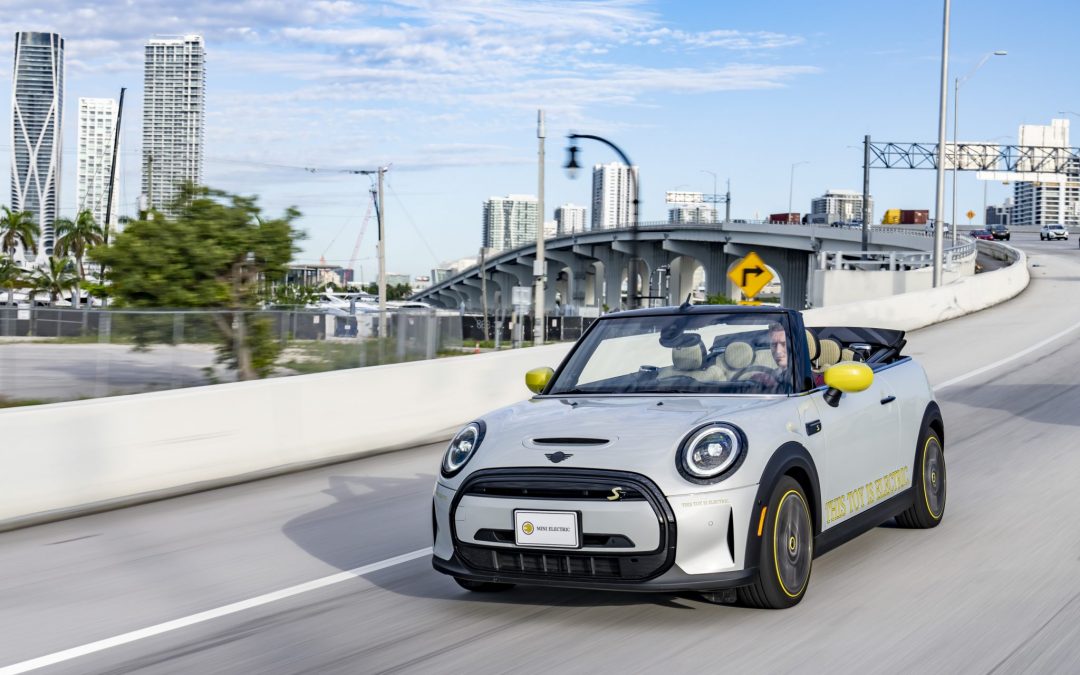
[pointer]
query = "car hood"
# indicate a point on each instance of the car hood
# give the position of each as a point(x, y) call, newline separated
point(624, 433)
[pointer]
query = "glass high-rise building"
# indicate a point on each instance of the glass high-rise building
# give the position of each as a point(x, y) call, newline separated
point(95, 139)
point(613, 187)
point(174, 116)
point(509, 222)
point(37, 108)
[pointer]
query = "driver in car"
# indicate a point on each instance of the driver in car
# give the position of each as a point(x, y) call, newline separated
point(776, 378)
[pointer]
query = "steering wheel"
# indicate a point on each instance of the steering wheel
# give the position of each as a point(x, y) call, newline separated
point(752, 370)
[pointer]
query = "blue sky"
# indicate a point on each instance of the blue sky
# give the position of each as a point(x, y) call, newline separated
point(447, 93)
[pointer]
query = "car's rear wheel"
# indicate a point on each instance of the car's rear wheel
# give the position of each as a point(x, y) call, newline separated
point(787, 550)
point(482, 586)
point(930, 484)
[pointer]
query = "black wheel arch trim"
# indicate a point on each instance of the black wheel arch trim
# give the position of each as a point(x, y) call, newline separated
point(790, 455)
point(930, 415)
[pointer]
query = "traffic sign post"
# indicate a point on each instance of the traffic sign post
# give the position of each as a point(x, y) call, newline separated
point(751, 275)
point(970, 215)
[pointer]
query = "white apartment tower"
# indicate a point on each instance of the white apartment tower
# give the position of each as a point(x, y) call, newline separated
point(174, 114)
point(96, 135)
point(570, 218)
point(1051, 201)
point(37, 106)
point(509, 222)
point(613, 187)
point(839, 206)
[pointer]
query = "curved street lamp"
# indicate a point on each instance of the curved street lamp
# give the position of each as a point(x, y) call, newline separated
point(572, 167)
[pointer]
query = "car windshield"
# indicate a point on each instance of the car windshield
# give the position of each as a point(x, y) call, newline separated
point(714, 353)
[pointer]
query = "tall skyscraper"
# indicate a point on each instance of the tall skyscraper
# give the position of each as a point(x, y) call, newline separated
point(509, 222)
point(96, 135)
point(37, 118)
point(613, 195)
point(174, 114)
point(570, 219)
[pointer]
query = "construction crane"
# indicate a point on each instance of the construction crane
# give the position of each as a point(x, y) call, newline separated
point(360, 236)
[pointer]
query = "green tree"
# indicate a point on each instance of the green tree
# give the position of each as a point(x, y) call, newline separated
point(76, 237)
point(17, 227)
point(393, 291)
point(211, 255)
point(54, 278)
point(11, 277)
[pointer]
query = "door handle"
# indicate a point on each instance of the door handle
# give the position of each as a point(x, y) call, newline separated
point(887, 400)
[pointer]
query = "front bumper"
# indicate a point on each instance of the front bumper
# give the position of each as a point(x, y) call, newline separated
point(671, 581)
point(692, 541)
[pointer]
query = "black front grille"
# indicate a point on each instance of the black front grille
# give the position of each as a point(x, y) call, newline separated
point(571, 485)
point(548, 563)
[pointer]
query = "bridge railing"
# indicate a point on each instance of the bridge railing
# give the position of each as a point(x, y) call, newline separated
point(891, 260)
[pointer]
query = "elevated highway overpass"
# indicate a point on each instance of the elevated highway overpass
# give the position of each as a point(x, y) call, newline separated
point(325, 570)
point(590, 269)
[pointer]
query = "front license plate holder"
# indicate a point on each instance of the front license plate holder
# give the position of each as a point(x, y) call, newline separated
point(547, 529)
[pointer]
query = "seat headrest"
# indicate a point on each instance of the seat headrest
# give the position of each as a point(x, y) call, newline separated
point(738, 355)
point(830, 353)
point(690, 355)
point(812, 345)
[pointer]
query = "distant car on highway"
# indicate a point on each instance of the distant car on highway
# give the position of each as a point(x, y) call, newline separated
point(706, 448)
point(1000, 232)
point(1054, 231)
point(982, 234)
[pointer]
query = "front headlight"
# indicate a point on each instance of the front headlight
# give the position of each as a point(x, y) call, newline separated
point(462, 447)
point(710, 452)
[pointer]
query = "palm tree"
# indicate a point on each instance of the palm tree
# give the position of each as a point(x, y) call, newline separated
point(17, 227)
point(11, 275)
point(54, 278)
point(76, 237)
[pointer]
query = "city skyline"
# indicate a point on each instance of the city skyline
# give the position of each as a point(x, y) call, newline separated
point(448, 99)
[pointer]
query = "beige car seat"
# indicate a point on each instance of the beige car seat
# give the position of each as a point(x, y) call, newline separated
point(689, 361)
point(830, 355)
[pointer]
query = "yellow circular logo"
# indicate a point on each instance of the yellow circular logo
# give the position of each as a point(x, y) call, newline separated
point(527, 527)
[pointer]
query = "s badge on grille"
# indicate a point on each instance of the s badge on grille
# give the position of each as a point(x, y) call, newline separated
point(616, 494)
point(558, 456)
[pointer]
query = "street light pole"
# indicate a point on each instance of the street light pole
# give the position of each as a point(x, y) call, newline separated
point(539, 271)
point(572, 168)
point(939, 199)
point(955, 120)
point(791, 189)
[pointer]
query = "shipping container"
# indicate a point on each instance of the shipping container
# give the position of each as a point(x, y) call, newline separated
point(892, 217)
point(914, 217)
point(785, 218)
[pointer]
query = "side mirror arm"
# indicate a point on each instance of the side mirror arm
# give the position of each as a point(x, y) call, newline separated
point(832, 396)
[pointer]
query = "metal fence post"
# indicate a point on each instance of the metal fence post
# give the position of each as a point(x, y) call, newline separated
point(104, 338)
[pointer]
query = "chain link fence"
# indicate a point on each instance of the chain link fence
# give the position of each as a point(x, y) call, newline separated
point(56, 354)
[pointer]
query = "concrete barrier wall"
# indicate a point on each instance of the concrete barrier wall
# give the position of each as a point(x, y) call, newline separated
point(923, 308)
point(69, 458)
point(81, 456)
point(840, 287)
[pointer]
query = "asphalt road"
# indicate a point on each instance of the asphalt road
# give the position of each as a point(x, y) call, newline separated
point(993, 589)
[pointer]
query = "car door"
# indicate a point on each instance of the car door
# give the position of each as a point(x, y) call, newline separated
point(858, 440)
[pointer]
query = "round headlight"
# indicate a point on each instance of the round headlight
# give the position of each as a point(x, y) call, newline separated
point(462, 447)
point(711, 451)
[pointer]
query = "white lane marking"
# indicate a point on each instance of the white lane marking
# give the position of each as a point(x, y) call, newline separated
point(257, 601)
point(997, 364)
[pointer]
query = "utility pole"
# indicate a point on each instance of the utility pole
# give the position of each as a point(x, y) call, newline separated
point(939, 201)
point(483, 289)
point(866, 194)
point(539, 266)
point(382, 256)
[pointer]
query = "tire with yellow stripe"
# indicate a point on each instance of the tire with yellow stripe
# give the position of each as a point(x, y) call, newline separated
point(787, 550)
point(930, 484)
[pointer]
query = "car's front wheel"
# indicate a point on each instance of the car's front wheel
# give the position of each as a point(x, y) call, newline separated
point(930, 484)
point(482, 586)
point(787, 550)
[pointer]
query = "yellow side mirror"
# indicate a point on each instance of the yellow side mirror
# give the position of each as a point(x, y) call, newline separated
point(538, 378)
point(848, 377)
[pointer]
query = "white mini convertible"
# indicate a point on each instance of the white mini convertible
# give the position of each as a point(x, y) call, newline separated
point(715, 449)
